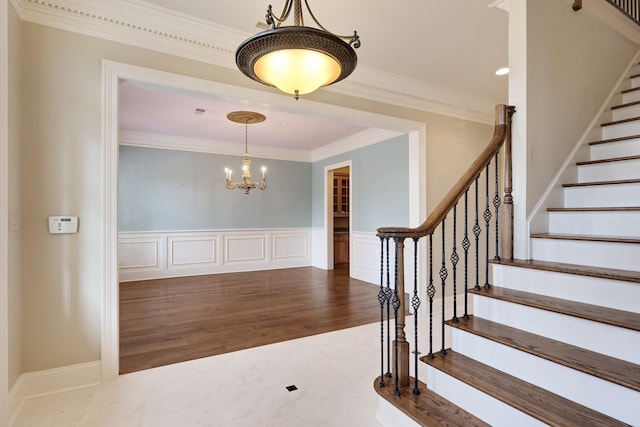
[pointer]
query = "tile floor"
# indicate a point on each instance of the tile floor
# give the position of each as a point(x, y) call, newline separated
point(333, 372)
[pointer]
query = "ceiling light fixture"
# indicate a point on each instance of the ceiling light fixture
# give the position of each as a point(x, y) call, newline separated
point(297, 59)
point(246, 117)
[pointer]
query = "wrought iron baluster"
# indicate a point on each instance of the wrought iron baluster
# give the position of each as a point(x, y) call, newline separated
point(396, 305)
point(487, 220)
point(431, 291)
point(454, 263)
point(466, 245)
point(443, 279)
point(496, 204)
point(382, 298)
point(388, 295)
point(415, 304)
point(476, 231)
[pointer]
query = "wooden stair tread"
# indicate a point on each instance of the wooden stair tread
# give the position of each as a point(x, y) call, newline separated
point(618, 122)
point(582, 270)
point(586, 184)
point(610, 369)
point(610, 160)
point(609, 316)
point(610, 239)
point(633, 89)
point(621, 138)
point(526, 397)
point(597, 209)
point(427, 408)
point(628, 104)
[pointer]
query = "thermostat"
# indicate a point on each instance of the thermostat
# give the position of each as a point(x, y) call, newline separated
point(63, 224)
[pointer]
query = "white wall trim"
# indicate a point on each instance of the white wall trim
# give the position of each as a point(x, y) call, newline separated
point(163, 254)
point(110, 349)
point(151, 27)
point(353, 142)
point(4, 211)
point(43, 383)
point(113, 72)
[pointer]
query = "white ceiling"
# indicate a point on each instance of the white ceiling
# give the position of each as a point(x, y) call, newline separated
point(454, 44)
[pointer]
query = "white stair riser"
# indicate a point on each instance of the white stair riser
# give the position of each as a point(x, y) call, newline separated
point(623, 256)
point(635, 81)
point(611, 399)
point(610, 171)
point(613, 195)
point(594, 336)
point(631, 96)
point(611, 223)
point(483, 406)
point(615, 294)
point(621, 129)
point(611, 150)
point(626, 112)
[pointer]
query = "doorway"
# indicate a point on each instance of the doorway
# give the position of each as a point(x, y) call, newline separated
point(341, 211)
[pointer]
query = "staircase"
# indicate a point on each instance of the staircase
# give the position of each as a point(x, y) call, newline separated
point(556, 339)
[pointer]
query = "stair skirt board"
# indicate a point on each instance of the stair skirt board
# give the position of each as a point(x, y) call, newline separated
point(623, 256)
point(587, 334)
point(621, 129)
point(608, 398)
point(609, 150)
point(616, 294)
point(607, 195)
point(483, 406)
point(609, 171)
point(596, 223)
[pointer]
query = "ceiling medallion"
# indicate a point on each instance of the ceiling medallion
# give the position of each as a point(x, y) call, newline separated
point(297, 59)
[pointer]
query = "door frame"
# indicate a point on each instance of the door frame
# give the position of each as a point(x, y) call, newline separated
point(328, 207)
point(115, 72)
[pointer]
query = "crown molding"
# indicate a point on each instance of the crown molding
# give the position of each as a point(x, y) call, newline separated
point(182, 143)
point(143, 25)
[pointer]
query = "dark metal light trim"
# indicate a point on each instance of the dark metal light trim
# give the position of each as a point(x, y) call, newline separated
point(295, 37)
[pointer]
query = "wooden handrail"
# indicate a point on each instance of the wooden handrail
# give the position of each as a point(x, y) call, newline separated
point(502, 126)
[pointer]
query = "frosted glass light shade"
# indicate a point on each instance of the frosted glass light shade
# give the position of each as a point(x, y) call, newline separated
point(297, 71)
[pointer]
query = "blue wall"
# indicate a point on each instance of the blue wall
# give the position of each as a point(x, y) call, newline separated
point(179, 190)
point(380, 187)
point(165, 190)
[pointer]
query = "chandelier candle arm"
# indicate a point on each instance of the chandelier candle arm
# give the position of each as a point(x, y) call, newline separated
point(297, 59)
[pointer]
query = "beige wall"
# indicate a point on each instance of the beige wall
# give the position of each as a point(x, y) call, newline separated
point(61, 172)
point(563, 67)
point(14, 263)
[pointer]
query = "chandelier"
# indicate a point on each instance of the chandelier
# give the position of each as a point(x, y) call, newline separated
point(246, 117)
point(297, 59)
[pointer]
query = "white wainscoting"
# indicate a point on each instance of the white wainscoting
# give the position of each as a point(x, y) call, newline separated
point(154, 255)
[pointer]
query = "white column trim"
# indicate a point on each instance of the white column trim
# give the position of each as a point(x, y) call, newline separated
point(4, 211)
point(110, 323)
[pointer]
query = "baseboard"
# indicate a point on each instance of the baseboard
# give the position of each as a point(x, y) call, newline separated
point(51, 381)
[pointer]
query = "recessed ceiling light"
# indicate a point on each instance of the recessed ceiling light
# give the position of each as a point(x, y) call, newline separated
point(502, 71)
point(199, 111)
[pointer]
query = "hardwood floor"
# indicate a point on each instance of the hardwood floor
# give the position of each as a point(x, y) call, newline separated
point(173, 320)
